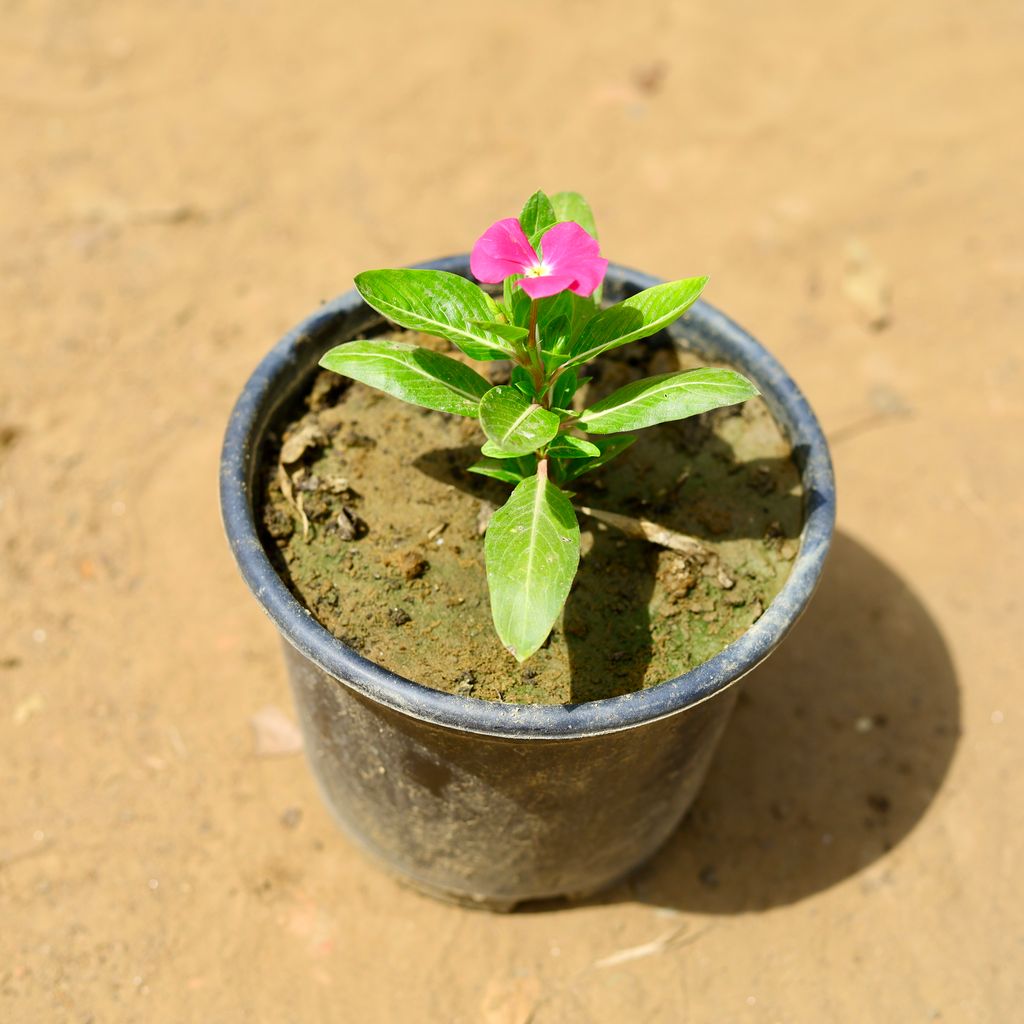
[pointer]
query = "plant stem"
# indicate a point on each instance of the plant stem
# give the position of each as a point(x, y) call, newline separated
point(542, 468)
point(534, 350)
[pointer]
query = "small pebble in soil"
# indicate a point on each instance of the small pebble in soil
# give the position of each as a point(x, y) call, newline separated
point(279, 525)
point(399, 617)
point(291, 816)
point(678, 574)
point(350, 526)
point(879, 803)
point(465, 681)
point(410, 563)
point(708, 877)
point(789, 550)
point(356, 440)
point(761, 481)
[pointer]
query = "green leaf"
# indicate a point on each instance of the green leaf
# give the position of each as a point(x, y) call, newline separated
point(517, 302)
point(439, 303)
point(514, 424)
point(584, 310)
point(637, 317)
point(492, 451)
point(577, 309)
point(532, 551)
point(416, 375)
point(572, 206)
point(609, 446)
point(554, 341)
point(511, 471)
point(508, 332)
point(566, 446)
point(669, 396)
point(554, 335)
point(565, 387)
point(523, 380)
point(538, 215)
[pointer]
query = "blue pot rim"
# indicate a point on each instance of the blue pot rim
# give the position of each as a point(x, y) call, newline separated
point(706, 329)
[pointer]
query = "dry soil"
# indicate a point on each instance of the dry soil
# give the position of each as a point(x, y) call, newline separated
point(184, 181)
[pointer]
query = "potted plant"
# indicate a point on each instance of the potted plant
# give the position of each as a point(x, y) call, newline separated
point(490, 801)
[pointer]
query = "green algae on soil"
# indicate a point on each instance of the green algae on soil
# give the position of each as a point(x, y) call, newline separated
point(372, 519)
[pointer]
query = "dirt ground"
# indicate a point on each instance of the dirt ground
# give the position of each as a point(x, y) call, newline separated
point(184, 181)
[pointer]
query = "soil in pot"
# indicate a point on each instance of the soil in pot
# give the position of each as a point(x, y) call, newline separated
point(369, 514)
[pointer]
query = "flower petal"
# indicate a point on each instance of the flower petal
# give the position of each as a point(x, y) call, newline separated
point(501, 251)
point(568, 249)
point(588, 282)
point(551, 284)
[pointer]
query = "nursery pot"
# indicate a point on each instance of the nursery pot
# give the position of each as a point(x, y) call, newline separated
point(493, 803)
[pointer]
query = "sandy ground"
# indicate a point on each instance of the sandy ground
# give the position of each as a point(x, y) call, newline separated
point(183, 181)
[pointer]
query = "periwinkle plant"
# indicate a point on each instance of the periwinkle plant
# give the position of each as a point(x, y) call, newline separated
point(549, 323)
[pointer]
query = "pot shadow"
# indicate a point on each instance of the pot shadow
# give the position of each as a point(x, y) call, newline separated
point(839, 743)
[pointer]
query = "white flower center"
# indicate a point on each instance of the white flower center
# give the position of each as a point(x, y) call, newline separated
point(538, 270)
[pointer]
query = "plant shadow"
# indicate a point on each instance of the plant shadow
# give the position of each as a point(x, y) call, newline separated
point(839, 743)
point(607, 619)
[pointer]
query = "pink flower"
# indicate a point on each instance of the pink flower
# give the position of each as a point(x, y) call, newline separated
point(568, 259)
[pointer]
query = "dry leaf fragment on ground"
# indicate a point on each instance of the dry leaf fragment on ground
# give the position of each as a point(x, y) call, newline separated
point(866, 285)
point(284, 481)
point(28, 707)
point(510, 1000)
point(678, 937)
point(295, 446)
point(483, 517)
point(644, 529)
point(274, 733)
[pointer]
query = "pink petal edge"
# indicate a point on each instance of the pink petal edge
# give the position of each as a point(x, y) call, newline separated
point(550, 284)
point(501, 251)
point(588, 281)
point(568, 249)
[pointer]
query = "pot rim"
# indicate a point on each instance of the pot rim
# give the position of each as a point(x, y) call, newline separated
point(260, 398)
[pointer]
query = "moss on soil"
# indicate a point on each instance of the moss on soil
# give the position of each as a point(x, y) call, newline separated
point(392, 562)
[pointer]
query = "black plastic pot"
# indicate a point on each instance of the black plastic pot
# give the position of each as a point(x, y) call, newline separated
point(492, 803)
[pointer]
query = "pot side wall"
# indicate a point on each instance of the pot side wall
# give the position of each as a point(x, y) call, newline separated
point(496, 821)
